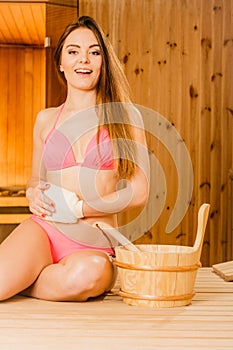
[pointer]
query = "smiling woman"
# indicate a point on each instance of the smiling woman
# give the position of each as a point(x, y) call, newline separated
point(82, 149)
point(81, 56)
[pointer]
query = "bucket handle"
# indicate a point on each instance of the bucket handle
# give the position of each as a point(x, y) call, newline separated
point(203, 214)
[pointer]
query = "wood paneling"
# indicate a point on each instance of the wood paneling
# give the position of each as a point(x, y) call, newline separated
point(23, 95)
point(22, 23)
point(178, 59)
point(25, 22)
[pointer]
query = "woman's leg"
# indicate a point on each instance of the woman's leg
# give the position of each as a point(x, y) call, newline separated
point(23, 255)
point(77, 277)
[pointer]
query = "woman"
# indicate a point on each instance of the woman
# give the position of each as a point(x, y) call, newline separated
point(57, 254)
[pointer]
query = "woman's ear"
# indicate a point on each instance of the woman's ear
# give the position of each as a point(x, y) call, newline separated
point(61, 68)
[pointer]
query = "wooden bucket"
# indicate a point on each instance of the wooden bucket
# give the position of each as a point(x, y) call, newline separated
point(161, 275)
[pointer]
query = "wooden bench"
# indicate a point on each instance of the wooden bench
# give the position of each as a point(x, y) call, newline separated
point(13, 202)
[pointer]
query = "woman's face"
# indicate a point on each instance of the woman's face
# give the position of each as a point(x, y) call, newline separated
point(81, 59)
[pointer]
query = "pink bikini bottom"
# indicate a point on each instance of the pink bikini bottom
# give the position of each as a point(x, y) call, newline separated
point(61, 246)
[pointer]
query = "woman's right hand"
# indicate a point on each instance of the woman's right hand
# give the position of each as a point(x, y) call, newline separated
point(39, 203)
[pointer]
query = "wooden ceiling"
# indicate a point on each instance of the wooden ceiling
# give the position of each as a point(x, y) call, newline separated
point(22, 23)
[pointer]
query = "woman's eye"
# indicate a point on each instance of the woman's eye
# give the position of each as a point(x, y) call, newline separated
point(73, 52)
point(95, 53)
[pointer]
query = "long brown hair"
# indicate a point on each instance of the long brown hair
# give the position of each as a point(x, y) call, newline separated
point(113, 95)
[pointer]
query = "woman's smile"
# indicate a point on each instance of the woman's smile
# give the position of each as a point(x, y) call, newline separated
point(81, 59)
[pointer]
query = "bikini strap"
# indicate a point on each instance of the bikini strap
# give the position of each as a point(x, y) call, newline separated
point(58, 115)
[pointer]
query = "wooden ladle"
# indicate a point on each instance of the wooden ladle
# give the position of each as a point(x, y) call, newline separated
point(113, 232)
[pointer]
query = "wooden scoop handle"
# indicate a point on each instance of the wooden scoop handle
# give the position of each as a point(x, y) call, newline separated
point(117, 235)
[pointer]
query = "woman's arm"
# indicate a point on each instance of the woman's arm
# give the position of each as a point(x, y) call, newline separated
point(135, 192)
point(39, 204)
point(36, 170)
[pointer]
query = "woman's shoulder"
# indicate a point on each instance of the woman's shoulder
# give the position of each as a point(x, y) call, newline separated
point(47, 113)
point(45, 120)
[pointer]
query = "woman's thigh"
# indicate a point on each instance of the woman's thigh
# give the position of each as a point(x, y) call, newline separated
point(23, 255)
point(77, 277)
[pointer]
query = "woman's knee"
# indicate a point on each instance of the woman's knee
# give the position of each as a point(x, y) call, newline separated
point(5, 291)
point(90, 276)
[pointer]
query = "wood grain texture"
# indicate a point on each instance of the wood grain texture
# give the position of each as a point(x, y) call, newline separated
point(225, 270)
point(107, 322)
point(22, 23)
point(23, 89)
point(178, 57)
point(161, 275)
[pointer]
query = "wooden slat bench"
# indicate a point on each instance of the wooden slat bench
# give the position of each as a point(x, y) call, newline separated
point(107, 323)
point(7, 217)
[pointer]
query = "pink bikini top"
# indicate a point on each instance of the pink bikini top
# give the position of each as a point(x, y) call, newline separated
point(58, 153)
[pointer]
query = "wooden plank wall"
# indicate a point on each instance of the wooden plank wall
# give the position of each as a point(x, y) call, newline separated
point(22, 87)
point(177, 55)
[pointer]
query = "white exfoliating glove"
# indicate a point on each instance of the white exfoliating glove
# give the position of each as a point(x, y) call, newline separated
point(68, 207)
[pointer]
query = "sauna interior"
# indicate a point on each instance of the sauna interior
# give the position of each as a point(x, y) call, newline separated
point(177, 56)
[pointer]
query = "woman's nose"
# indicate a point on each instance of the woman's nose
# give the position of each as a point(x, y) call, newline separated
point(83, 58)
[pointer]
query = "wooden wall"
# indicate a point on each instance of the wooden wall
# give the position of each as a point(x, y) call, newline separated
point(22, 86)
point(177, 55)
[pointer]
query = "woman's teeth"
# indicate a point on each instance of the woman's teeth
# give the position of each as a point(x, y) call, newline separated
point(83, 71)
